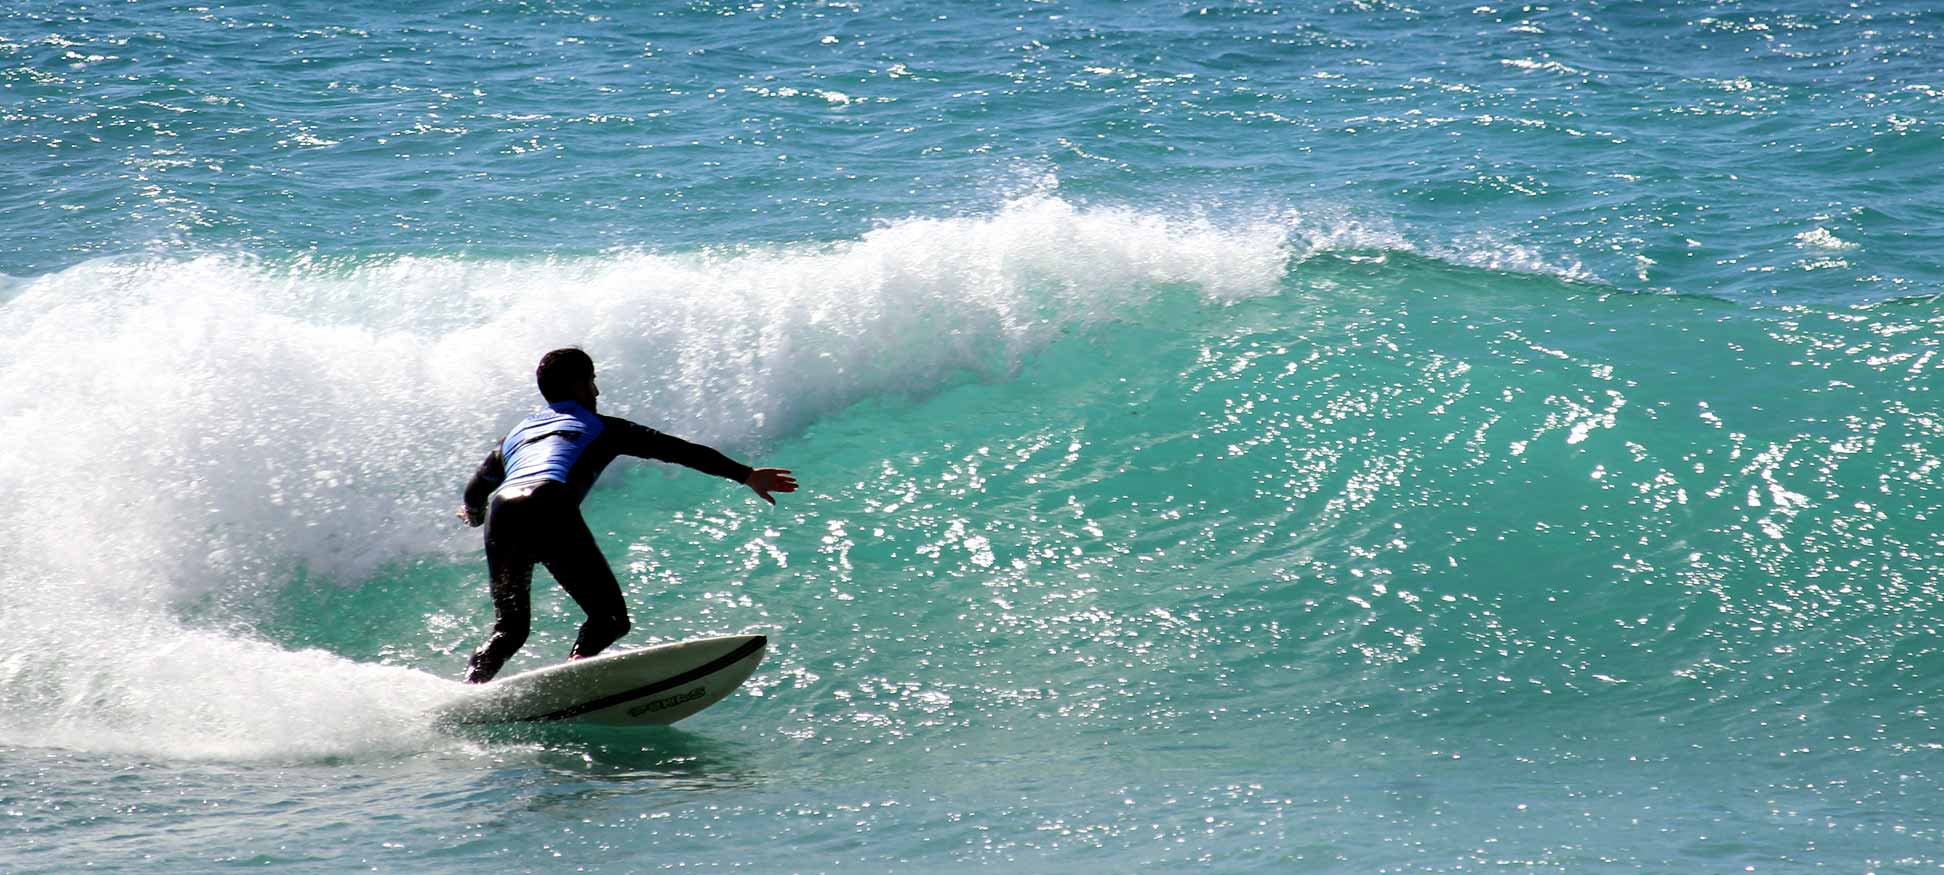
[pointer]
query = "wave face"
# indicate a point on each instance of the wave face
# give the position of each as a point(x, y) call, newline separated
point(1249, 504)
point(207, 428)
point(1244, 436)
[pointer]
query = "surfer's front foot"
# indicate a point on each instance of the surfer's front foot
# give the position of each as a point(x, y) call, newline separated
point(596, 635)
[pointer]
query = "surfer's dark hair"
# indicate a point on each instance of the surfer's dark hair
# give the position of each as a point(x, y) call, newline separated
point(561, 372)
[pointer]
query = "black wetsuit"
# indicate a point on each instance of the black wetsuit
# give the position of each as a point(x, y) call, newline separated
point(529, 489)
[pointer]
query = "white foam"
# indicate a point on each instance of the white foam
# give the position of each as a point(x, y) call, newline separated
point(1820, 238)
point(147, 686)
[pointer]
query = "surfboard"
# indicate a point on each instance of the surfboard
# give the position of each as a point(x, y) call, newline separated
point(651, 685)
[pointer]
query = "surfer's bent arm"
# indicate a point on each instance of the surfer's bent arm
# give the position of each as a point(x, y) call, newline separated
point(640, 440)
point(490, 475)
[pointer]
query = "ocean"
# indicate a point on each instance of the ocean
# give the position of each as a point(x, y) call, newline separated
point(1347, 437)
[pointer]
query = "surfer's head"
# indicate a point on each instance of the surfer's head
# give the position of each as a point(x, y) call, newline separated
point(567, 375)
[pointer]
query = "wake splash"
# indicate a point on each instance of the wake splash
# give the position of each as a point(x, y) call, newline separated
point(144, 685)
point(200, 427)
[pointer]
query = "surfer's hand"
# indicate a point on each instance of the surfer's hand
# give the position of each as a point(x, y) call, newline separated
point(767, 480)
point(467, 516)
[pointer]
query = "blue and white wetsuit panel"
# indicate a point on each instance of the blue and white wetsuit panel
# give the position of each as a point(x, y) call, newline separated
point(547, 444)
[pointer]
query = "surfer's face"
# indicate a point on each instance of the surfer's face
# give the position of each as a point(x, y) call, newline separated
point(589, 392)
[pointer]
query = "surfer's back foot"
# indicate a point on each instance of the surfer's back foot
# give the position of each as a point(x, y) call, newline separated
point(597, 633)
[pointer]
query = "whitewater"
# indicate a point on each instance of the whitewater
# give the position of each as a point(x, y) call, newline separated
point(1232, 438)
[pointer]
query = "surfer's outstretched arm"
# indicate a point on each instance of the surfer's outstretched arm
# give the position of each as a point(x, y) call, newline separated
point(640, 440)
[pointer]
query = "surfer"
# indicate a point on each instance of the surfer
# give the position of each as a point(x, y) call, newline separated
point(528, 493)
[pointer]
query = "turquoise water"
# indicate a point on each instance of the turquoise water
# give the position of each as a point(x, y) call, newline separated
point(1244, 437)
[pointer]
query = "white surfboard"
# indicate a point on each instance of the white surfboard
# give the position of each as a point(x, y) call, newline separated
point(660, 684)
